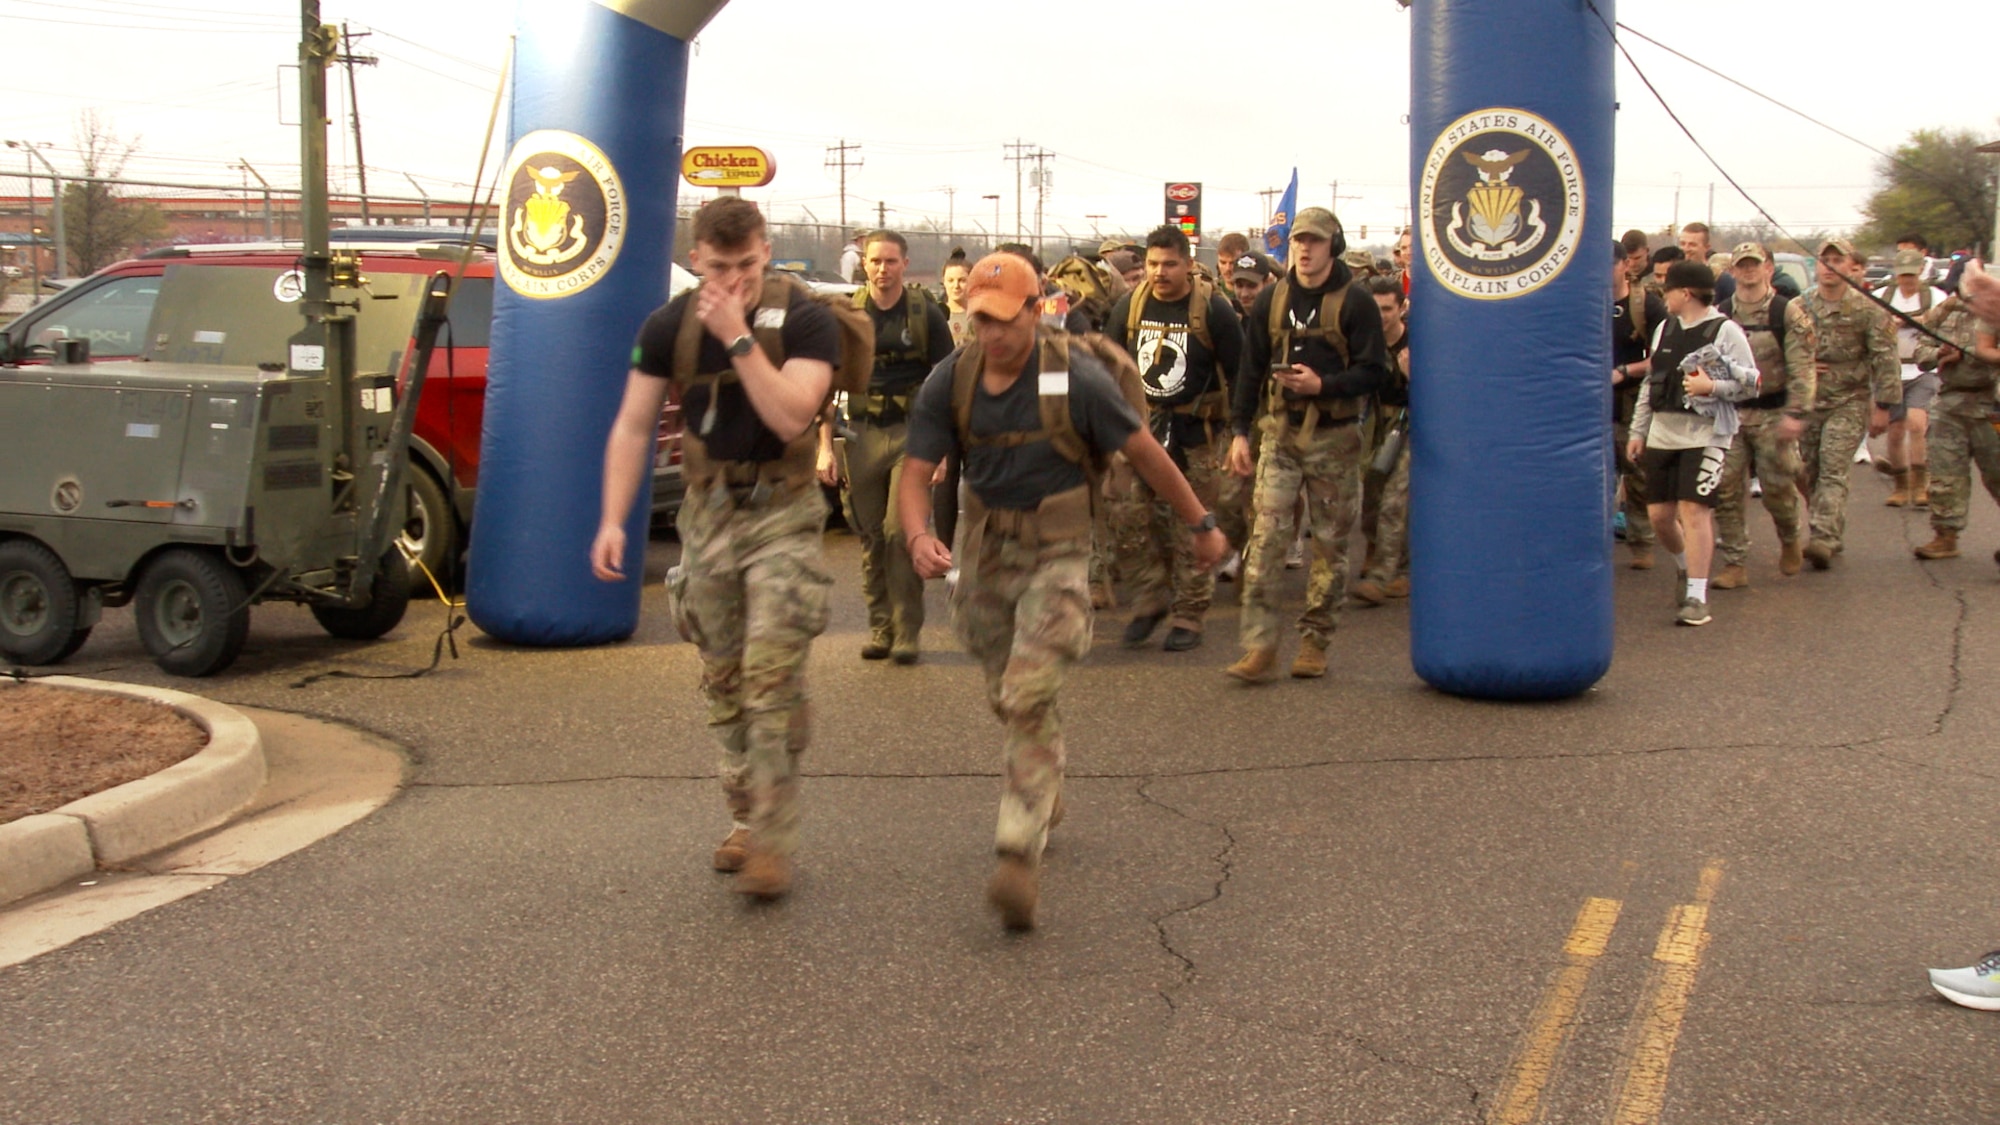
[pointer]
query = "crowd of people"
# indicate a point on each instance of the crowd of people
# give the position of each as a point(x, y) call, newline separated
point(1039, 433)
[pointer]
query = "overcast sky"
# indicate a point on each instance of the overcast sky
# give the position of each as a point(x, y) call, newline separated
point(1127, 93)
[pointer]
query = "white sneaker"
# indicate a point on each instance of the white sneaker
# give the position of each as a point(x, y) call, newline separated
point(1862, 456)
point(1296, 557)
point(951, 581)
point(1975, 986)
point(1231, 567)
point(1756, 488)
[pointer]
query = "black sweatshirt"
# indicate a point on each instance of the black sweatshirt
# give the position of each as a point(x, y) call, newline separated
point(1360, 320)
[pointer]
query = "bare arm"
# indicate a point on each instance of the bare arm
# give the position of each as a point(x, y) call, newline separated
point(930, 555)
point(786, 399)
point(627, 454)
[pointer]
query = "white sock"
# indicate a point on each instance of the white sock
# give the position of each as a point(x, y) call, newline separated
point(1698, 589)
point(1681, 560)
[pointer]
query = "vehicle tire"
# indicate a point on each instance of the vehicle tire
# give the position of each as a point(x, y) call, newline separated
point(430, 529)
point(383, 612)
point(193, 612)
point(39, 605)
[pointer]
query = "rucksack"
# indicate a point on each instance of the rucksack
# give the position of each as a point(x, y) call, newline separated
point(1635, 307)
point(916, 313)
point(1058, 428)
point(1327, 327)
point(1779, 303)
point(1202, 291)
point(1091, 286)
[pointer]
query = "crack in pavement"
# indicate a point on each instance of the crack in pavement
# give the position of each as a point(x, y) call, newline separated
point(1159, 921)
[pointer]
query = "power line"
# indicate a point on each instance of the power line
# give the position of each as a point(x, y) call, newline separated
point(836, 157)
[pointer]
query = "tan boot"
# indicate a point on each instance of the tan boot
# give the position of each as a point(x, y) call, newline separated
point(1791, 557)
point(1013, 891)
point(1310, 664)
point(1943, 546)
point(1056, 814)
point(1369, 592)
point(734, 849)
point(1254, 666)
point(765, 875)
point(1730, 578)
point(1400, 588)
point(1819, 554)
point(1642, 558)
point(1920, 486)
point(1900, 498)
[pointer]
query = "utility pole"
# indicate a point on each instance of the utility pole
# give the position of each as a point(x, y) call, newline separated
point(1268, 195)
point(422, 192)
point(263, 183)
point(1094, 232)
point(348, 58)
point(996, 216)
point(1711, 203)
point(950, 207)
point(836, 157)
point(881, 215)
point(1019, 155)
point(1040, 156)
point(34, 152)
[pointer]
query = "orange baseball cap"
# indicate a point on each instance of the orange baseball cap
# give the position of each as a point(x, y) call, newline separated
point(1001, 285)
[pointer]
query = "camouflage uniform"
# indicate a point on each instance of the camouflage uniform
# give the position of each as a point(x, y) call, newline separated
point(1962, 433)
point(1156, 549)
point(1022, 607)
point(750, 593)
point(1859, 348)
point(1389, 550)
point(1777, 459)
point(1327, 468)
point(873, 466)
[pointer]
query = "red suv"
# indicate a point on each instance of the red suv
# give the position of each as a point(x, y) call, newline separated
point(113, 309)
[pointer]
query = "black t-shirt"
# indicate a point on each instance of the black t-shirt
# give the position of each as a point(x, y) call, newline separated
point(1625, 349)
point(1360, 322)
point(899, 366)
point(734, 432)
point(1395, 390)
point(1020, 477)
point(1175, 365)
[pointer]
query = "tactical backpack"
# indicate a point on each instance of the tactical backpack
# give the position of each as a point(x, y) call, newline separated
point(916, 312)
point(1058, 428)
point(1091, 286)
point(1776, 327)
point(1215, 404)
point(767, 325)
point(1327, 328)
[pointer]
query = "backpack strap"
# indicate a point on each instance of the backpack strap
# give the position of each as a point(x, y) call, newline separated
point(1635, 307)
point(1137, 312)
point(1779, 303)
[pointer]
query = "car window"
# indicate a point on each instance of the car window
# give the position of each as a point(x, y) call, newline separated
point(112, 316)
point(471, 317)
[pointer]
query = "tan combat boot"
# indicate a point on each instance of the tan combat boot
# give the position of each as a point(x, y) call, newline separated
point(1642, 558)
point(1944, 546)
point(1791, 558)
point(1369, 592)
point(1398, 588)
point(1819, 554)
point(1013, 891)
point(1920, 486)
point(765, 875)
point(1900, 497)
point(1254, 667)
point(734, 849)
point(1310, 664)
point(1732, 577)
point(1056, 814)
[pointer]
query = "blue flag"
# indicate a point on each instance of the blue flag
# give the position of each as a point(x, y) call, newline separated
point(1278, 236)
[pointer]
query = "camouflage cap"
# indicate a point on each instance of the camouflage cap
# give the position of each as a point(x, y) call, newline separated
point(1316, 221)
point(1910, 262)
point(1839, 245)
point(1358, 259)
point(1749, 251)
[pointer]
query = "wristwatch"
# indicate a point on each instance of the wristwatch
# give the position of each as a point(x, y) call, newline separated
point(1205, 523)
point(741, 345)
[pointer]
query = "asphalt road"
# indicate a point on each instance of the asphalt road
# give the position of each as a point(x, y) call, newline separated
point(1703, 892)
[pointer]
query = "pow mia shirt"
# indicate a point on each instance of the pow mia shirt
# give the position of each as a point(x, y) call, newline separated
point(1176, 365)
point(809, 332)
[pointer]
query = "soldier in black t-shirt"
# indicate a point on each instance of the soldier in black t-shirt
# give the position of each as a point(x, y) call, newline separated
point(1185, 336)
point(1635, 312)
point(1033, 416)
point(911, 336)
point(751, 357)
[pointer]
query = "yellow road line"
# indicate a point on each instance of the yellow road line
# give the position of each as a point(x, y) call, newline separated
point(1641, 1092)
point(1519, 1097)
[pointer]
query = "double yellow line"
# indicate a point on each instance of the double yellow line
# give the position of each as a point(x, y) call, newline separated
point(1640, 1091)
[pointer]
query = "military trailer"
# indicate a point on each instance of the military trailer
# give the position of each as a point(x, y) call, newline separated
point(193, 489)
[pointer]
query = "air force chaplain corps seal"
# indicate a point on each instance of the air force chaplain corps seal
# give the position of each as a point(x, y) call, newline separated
point(564, 218)
point(1501, 204)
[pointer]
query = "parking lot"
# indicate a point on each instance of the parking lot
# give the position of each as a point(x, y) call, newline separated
point(1347, 900)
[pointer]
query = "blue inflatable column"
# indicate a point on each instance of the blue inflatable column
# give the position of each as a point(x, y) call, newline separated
point(586, 241)
point(1510, 534)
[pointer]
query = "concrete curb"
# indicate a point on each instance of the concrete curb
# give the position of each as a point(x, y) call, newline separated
point(130, 820)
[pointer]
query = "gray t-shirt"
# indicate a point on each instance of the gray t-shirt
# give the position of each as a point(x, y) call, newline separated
point(1020, 477)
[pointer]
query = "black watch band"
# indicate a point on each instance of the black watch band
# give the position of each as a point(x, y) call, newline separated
point(1205, 523)
point(741, 345)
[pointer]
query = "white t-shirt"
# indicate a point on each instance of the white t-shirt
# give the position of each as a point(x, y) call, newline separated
point(1906, 337)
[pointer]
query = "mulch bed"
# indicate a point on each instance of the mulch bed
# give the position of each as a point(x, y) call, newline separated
point(59, 744)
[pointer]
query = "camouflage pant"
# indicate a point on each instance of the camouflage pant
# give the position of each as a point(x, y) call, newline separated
point(1328, 472)
point(1389, 546)
point(1156, 557)
point(751, 594)
point(1778, 471)
point(1958, 443)
point(894, 593)
point(1022, 607)
point(1826, 450)
point(1638, 525)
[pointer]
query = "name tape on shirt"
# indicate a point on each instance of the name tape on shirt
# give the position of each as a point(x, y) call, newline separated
point(1054, 383)
point(771, 318)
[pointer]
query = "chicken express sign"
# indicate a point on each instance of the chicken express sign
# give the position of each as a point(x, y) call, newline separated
point(728, 167)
